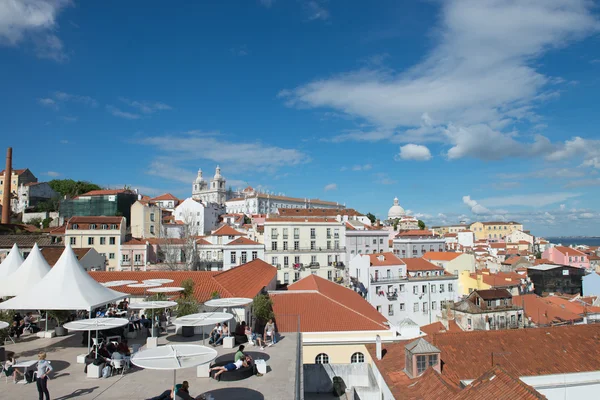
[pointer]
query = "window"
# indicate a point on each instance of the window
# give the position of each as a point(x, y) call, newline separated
point(286, 261)
point(357, 358)
point(233, 257)
point(285, 245)
point(151, 217)
point(112, 240)
point(286, 277)
point(254, 255)
point(390, 309)
point(274, 233)
point(104, 226)
point(336, 244)
point(297, 260)
point(113, 226)
point(381, 241)
point(92, 226)
point(137, 258)
point(75, 226)
point(489, 303)
point(152, 229)
point(329, 245)
point(274, 260)
point(273, 245)
point(91, 241)
point(328, 233)
point(374, 241)
point(401, 288)
point(313, 234)
point(330, 275)
point(441, 288)
point(73, 241)
point(416, 307)
point(433, 360)
point(296, 276)
point(425, 307)
point(433, 305)
point(296, 245)
point(450, 287)
point(415, 290)
point(296, 233)
point(336, 233)
point(313, 259)
point(379, 309)
point(421, 364)
point(111, 256)
point(424, 288)
point(313, 245)
point(285, 233)
point(402, 306)
point(432, 288)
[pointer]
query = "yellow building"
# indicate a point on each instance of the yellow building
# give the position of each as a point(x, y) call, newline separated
point(484, 279)
point(146, 220)
point(18, 177)
point(494, 230)
point(104, 234)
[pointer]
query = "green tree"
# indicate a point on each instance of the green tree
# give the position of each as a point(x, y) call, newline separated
point(49, 205)
point(395, 223)
point(371, 217)
point(263, 307)
point(71, 188)
point(247, 220)
point(538, 255)
point(421, 225)
point(35, 222)
point(187, 303)
point(46, 222)
point(6, 316)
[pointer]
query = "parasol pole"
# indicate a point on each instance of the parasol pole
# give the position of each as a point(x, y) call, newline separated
point(90, 338)
point(46, 320)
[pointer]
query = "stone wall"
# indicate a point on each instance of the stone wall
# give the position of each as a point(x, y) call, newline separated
point(28, 216)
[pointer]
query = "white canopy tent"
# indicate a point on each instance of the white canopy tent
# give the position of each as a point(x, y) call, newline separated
point(66, 287)
point(33, 269)
point(12, 261)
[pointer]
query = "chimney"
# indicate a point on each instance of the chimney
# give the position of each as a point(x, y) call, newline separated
point(378, 346)
point(6, 189)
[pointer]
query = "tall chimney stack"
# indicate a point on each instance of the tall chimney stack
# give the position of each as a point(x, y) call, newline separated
point(6, 189)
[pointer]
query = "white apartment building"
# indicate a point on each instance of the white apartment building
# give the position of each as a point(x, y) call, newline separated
point(198, 217)
point(365, 239)
point(253, 202)
point(165, 201)
point(410, 288)
point(415, 243)
point(227, 248)
point(299, 247)
point(31, 193)
point(516, 236)
point(104, 234)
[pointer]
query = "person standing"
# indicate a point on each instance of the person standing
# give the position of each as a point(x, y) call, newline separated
point(269, 334)
point(43, 369)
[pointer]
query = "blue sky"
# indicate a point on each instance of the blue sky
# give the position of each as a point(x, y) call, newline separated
point(463, 109)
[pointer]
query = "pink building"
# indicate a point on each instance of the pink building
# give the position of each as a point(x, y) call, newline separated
point(567, 256)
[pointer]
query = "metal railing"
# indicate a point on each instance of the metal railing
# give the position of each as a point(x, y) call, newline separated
point(339, 249)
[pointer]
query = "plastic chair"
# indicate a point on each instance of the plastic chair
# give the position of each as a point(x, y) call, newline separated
point(118, 364)
point(2, 368)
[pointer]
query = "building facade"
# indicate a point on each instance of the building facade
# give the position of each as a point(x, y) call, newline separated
point(198, 217)
point(252, 202)
point(365, 239)
point(494, 230)
point(32, 193)
point(146, 220)
point(567, 256)
point(214, 191)
point(400, 289)
point(104, 234)
point(552, 278)
point(488, 310)
point(18, 177)
point(300, 247)
point(106, 203)
point(415, 243)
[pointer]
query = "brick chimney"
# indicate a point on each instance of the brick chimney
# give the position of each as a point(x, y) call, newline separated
point(6, 189)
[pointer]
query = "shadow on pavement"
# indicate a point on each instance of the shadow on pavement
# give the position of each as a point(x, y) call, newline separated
point(233, 393)
point(77, 393)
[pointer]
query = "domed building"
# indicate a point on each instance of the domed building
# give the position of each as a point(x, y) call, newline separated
point(396, 211)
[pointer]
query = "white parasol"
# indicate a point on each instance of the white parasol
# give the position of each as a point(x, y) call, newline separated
point(96, 324)
point(174, 357)
point(168, 289)
point(203, 319)
point(228, 302)
point(161, 281)
point(117, 283)
point(3, 325)
point(151, 305)
point(145, 285)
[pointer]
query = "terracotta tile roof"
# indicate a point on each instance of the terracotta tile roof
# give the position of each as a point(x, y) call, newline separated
point(106, 192)
point(15, 171)
point(285, 198)
point(435, 327)
point(573, 306)
point(568, 250)
point(511, 261)
point(493, 294)
point(85, 222)
point(324, 306)
point(52, 254)
point(451, 235)
point(420, 264)
point(383, 259)
point(567, 349)
point(441, 255)
point(202, 241)
point(500, 279)
point(27, 241)
point(417, 232)
point(499, 245)
point(243, 241)
point(58, 230)
point(501, 223)
point(498, 384)
point(165, 196)
point(134, 242)
point(247, 280)
point(313, 220)
point(226, 230)
point(543, 312)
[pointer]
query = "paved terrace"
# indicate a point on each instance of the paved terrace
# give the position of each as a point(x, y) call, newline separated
point(69, 381)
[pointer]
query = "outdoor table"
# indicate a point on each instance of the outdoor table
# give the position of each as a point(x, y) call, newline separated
point(25, 365)
point(202, 320)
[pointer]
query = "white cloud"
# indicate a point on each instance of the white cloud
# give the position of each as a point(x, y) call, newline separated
point(586, 215)
point(241, 157)
point(528, 200)
point(35, 20)
point(361, 136)
point(48, 102)
point(546, 173)
point(146, 107)
point(479, 79)
point(562, 207)
point(364, 167)
point(383, 179)
point(329, 187)
point(75, 98)
point(53, 174)
point(590, 149)
point(64, 141)
point(414, 152)
point(122, 114)
point(583, 183)
point(475, 207)
point(316, 11)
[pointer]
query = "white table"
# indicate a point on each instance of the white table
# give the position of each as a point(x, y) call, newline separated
point(25, 365)
point(261, 366)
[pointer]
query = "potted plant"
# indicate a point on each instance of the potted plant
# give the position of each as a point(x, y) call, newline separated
point(60, 316)
point(186, 305)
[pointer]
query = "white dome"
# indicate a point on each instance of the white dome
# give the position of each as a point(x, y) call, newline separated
point(396, 211)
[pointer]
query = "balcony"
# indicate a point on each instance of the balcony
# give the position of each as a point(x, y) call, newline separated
point(309, 250)
point(391, 313)
point(383, 279)
point(126, 262)
point(392, 296)
point(337, 264)
point(314, 265)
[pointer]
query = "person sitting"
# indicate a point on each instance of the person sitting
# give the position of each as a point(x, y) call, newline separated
point(166, 395)
point(10, 370)
point(182, 392)
point(135, 321)
point(30, 323)
point(241, 328)
point(215, 334)
point(245, 362)
point(145, 322)
point(239, 354)
point(123, 348)
point(15, 330)
point(224, 334)
point(254, 338)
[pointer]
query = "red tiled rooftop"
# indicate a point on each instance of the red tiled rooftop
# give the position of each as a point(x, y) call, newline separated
point(498, 384)
point(417, 232)
point(243, 241)
point(165, 196)
point(106, 192)
point(52, 254)
point(226, 230)
point(570, 251)
point(383, 259)
point(441, 255)
point(324, 306)
point(420, 264)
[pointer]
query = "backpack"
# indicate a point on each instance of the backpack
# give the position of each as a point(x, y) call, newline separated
point(106, 371)
point(29, 376)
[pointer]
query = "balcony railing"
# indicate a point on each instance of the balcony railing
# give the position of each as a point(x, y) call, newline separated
point(387, 279)
point(340, 249)
point(337, 264)
point(314, 265)
point(126, 262)
point(392, 296)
